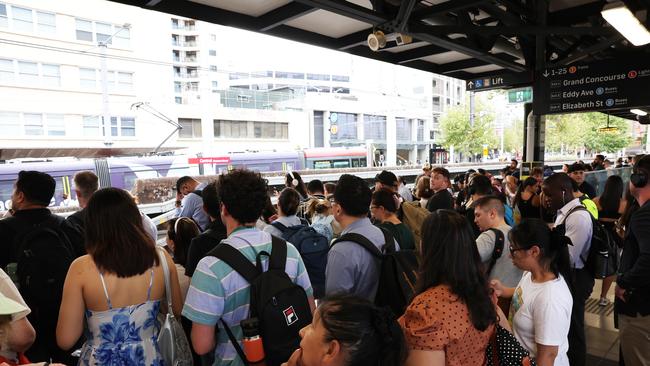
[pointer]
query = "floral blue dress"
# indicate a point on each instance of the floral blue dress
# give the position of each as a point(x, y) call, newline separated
point(123, 336)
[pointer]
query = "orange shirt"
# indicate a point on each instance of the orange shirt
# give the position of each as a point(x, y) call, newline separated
point(436, 320)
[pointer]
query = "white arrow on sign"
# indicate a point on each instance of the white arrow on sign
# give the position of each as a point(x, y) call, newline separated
point(546, 74)
point(470, 84)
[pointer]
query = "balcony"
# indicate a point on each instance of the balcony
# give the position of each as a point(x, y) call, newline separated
point(190, 44)
point(190, 59)
point(186, 75)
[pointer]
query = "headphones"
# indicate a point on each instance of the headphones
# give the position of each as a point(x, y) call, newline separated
point(294, 181)
point(639, 179)
point(176, 225)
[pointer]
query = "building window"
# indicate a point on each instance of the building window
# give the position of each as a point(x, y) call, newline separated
point(215, 86)
point(46, 22)
point(212, 52)
point(340, 78)
point(289, 75)
point(177, 87)
point(270, 130)
point(55, 125)
point(87, 78)
point(340, 90)
point(191, 128)
point(213, 68)
point(436, 101)
point(124, 81)
point(84, 30)
point(420, 130)
point(91, 126)
point(175, 23)
point(178, 100)
point(127, 126)
point(121, 36)
point(319, 134)
point(346, 126)
point(434, 83)
point(374, 127)
point(33, 124)
point(6, 71)
point(51, 75)
point(28, 72)
point(22, 19)
point(4, 20)
point(9, 124)
point(403, 129)
point(318, 77)
point(260, 130)
point(213, 37)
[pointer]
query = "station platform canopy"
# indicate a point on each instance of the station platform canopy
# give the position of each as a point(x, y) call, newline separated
point(78, 152)
point(465, 39)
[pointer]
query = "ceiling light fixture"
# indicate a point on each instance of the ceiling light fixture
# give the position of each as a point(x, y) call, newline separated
point(621, 18)
point(638, 112)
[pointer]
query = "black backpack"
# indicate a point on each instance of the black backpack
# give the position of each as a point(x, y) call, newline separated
point(313, 248)
point(602, 258)
point(397, 272)
point(44, 256)
point(499, 242)
point(280, 306)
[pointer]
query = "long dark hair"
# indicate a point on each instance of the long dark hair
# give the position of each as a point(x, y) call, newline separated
point(530, 181)
point(115, 236)
point(181, 231)
point(553, 246)
point(294, 177)
point(450, 257)
point(369, 334)
point(610, 200)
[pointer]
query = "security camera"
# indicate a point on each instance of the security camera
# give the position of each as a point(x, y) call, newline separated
point(376, 40)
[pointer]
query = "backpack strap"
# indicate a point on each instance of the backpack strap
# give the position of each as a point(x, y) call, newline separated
point(389, 241)
point(198, 192)
point(280, 226)
point(235, 259)
point(499, 243)
point(361, 240)
point(278, 258)
point(234, 342)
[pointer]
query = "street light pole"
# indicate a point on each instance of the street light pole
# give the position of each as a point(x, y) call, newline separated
point(106, 114)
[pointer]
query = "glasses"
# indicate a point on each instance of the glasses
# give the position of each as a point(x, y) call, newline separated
point(514, 250)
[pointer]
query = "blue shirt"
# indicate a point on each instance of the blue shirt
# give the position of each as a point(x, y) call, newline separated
point(351, 268)
point(219, 292)
point(192, 206)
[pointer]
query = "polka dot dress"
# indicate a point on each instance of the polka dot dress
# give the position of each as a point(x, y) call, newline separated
point(437, 320)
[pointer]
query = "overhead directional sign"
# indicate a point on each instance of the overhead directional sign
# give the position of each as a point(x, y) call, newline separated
point(524, 95)
point(503, 81)
point(605, 85)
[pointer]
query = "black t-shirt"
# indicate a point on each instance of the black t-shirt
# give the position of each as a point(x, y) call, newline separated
point(202, 244)
point(441, 200)
point(587, 189)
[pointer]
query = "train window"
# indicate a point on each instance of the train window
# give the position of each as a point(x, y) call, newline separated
point(341, 164)
point(355, 163)
point(6, 189)
point(363, 162)
point(322, 164)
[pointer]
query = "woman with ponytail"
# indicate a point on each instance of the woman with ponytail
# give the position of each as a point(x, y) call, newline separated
point(451, 319)
point(180, 232)
point(347, 330)
point(542, 301)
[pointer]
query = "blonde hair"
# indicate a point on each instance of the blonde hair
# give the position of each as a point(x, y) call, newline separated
point(318, 206)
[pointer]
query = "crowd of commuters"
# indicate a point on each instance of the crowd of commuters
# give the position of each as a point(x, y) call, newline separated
point(508, 250)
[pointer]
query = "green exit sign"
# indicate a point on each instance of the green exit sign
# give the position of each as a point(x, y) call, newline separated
point(524, 95)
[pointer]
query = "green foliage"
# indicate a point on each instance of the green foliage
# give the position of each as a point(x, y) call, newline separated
point(457, 131)
point(575, 131)
point(513, 139)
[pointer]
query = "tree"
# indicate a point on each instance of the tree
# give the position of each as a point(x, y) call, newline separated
point(458, 132)
point(575, 131)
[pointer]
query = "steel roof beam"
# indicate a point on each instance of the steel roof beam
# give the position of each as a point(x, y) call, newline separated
point(460, 65)
point(589, 50)
point(446, 7)
point(283, 14)
point(421, 32)
point(418, 53)
point(518, 30)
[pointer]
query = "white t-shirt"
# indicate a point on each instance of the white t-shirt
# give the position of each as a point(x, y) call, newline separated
point(541, 313)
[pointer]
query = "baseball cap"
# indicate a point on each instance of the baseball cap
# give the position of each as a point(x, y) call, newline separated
point(9, 306)
point(576, 167)
point(386, 178)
